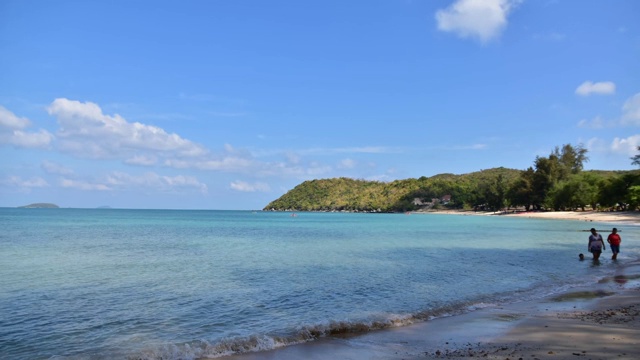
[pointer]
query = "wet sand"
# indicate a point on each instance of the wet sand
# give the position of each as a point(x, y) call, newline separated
point(609, 329)
point(602, 322)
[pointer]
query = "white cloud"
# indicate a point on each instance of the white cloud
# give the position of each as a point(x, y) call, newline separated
point(631, 111)
point(282, 169)
point(83, 185)
point(143, 160)
point(53, 168)
point(40, 139)
point(247, 187)
point(229, 163)
point(292, 157)
point(145, 182)
point(86, 131)
point(367, 150)
point(317, 169)
point(595, 123)
point(630, 116)
point(347, 164)
point(481, 19)
point(11, 121)
point(295, 156)
point(478, 146)
point(182, 181)
point(154, 181)
point(11, 132)
point(293, 165)
point(602, 88)
point(595, 145)
point(17, 181)
point(352, 150)
point(230, 160)
point(627, 146)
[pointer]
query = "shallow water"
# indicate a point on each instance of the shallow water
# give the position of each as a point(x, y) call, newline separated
point(102, 283)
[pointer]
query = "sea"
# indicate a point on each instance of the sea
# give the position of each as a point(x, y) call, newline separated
point(180, 284)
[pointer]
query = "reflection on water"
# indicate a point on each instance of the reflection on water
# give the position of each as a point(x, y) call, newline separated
point(621, 279)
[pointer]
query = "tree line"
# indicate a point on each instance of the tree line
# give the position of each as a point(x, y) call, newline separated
point(555, 182)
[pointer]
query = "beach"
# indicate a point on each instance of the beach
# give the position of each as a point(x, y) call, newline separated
point(622, 217)
point(598, 322)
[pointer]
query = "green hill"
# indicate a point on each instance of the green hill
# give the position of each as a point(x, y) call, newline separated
point(344, 194)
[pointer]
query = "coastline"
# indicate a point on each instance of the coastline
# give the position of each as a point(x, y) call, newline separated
point(599, 322)
point(602, 322)
point(625, 217)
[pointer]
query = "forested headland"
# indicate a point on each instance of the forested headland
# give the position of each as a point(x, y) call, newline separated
point(556, 182)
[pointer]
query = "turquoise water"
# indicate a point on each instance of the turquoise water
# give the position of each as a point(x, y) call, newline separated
point(151, 284)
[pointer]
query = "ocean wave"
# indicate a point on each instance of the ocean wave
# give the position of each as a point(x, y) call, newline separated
point(213, 349)
point(202, 349)
point(233, 346)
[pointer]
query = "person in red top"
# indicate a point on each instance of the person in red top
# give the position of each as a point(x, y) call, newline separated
point(614, 241)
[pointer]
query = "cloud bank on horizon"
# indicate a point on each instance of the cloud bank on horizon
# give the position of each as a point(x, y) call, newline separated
point(221, 119)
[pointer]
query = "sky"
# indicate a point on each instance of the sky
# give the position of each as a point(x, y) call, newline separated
point(230, 104)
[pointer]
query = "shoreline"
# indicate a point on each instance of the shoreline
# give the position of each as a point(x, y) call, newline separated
point(598, 322)
point(624, 217)
point(607, 328)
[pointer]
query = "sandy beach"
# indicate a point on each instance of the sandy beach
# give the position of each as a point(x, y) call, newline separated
point(623, 217)
point(601, 322)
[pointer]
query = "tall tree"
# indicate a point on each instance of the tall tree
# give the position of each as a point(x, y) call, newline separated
point(636, 158)
point(570, 160)
point(559, 166)
point(544, 178)
point(521, 192)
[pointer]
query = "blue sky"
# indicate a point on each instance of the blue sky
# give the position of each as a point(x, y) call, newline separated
point(230, 104)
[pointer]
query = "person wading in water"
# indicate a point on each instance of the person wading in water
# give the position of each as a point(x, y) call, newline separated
point(596, 244)
point(614, 241)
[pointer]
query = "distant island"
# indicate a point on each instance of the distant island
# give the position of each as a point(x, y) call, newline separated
point(40, 206)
